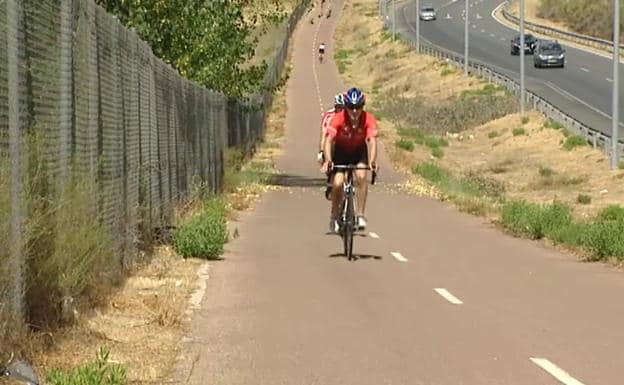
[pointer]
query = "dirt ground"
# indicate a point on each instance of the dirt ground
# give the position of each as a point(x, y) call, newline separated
point(531, 9)
point(491, 149)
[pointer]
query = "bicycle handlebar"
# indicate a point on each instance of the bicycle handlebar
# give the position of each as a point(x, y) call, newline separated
point(349, 167)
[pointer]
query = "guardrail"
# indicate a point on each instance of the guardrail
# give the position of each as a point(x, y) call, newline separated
point(587, 40)
point(485, 71)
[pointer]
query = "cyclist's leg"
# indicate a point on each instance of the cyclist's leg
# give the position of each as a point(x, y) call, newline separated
point(340, 158)
point(329, 185)
point(337, 193)
point(362, 185)
point(362, 188)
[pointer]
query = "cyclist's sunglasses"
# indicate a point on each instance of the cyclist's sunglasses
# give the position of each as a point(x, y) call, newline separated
point(354, 107)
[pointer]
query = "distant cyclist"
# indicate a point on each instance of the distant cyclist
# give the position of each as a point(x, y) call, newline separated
point(321, 9)
point(352, 137)
point(321, 51)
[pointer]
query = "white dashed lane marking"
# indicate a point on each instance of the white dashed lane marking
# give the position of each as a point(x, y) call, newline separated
point(448, 296)
point(555, 371)
point(398, 256)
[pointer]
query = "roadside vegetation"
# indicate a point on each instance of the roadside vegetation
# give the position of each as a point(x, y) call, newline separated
point(80, 299)
point(593, 18)
point(223, 57)
point(462, 141)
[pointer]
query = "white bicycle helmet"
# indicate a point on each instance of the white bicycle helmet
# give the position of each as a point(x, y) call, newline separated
point(339, 100)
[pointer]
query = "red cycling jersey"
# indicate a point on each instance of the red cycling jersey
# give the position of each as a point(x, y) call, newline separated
point(351, 137)
point(326, 119)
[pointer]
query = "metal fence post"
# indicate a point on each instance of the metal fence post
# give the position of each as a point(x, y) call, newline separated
point(16, 152)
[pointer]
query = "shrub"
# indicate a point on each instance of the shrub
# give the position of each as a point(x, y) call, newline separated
point(546, 171)
point(437, 152)
point(405, 144)
point(431, 172)
point(574, 141)
point(611, 213)
point(552, 124)
point(583, 199)
point(605, 238)
point(98, 372)
point(518, 131)
point(434, 141)
point(204, 235)
point(535, 221)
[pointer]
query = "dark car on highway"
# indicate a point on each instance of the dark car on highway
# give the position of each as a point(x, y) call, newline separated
point(549, 54)
point(529, 44)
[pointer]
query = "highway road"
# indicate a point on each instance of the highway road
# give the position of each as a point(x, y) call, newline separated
point(582, 88)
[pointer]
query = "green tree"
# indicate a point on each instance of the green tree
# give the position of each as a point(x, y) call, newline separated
point(207, 41)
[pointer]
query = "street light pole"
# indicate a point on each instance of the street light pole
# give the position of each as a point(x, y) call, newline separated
point(393, 19)
point(466, 31)
point(417, 26)
point(522, 90)
point(615, 119)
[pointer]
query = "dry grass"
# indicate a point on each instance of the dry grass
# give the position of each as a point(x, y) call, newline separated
point(516, 160)
point(141, 323)
point(513, 160)
point(144, 321)
point(531, 8)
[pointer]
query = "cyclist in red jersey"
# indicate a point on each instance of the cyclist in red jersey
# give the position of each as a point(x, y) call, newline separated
point(325, 120)
point(352, 137)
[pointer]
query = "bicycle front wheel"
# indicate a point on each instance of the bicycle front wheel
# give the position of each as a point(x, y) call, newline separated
point(349, 225)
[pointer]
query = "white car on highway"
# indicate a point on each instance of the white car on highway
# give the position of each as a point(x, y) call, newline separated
point(427, 12)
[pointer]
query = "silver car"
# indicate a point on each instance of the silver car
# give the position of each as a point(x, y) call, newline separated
point(427, 12)
point(549, 53)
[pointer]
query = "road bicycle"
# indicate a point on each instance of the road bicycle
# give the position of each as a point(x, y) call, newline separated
point(348, 221)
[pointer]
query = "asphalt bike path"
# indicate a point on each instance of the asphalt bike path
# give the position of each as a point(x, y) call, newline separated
point(435, 297)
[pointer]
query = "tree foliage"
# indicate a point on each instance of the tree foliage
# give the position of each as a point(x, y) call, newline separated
point(207, 41)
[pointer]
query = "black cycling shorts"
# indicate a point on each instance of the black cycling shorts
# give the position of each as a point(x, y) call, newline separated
point(344, 158)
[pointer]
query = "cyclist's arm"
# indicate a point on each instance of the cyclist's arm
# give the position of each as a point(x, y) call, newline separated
point(332, 131)
point(323, 133)
point(329, 141)
point(372, 148)
point(371, 136)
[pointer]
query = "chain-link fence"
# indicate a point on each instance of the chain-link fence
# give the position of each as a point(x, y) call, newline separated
point(84, 102)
